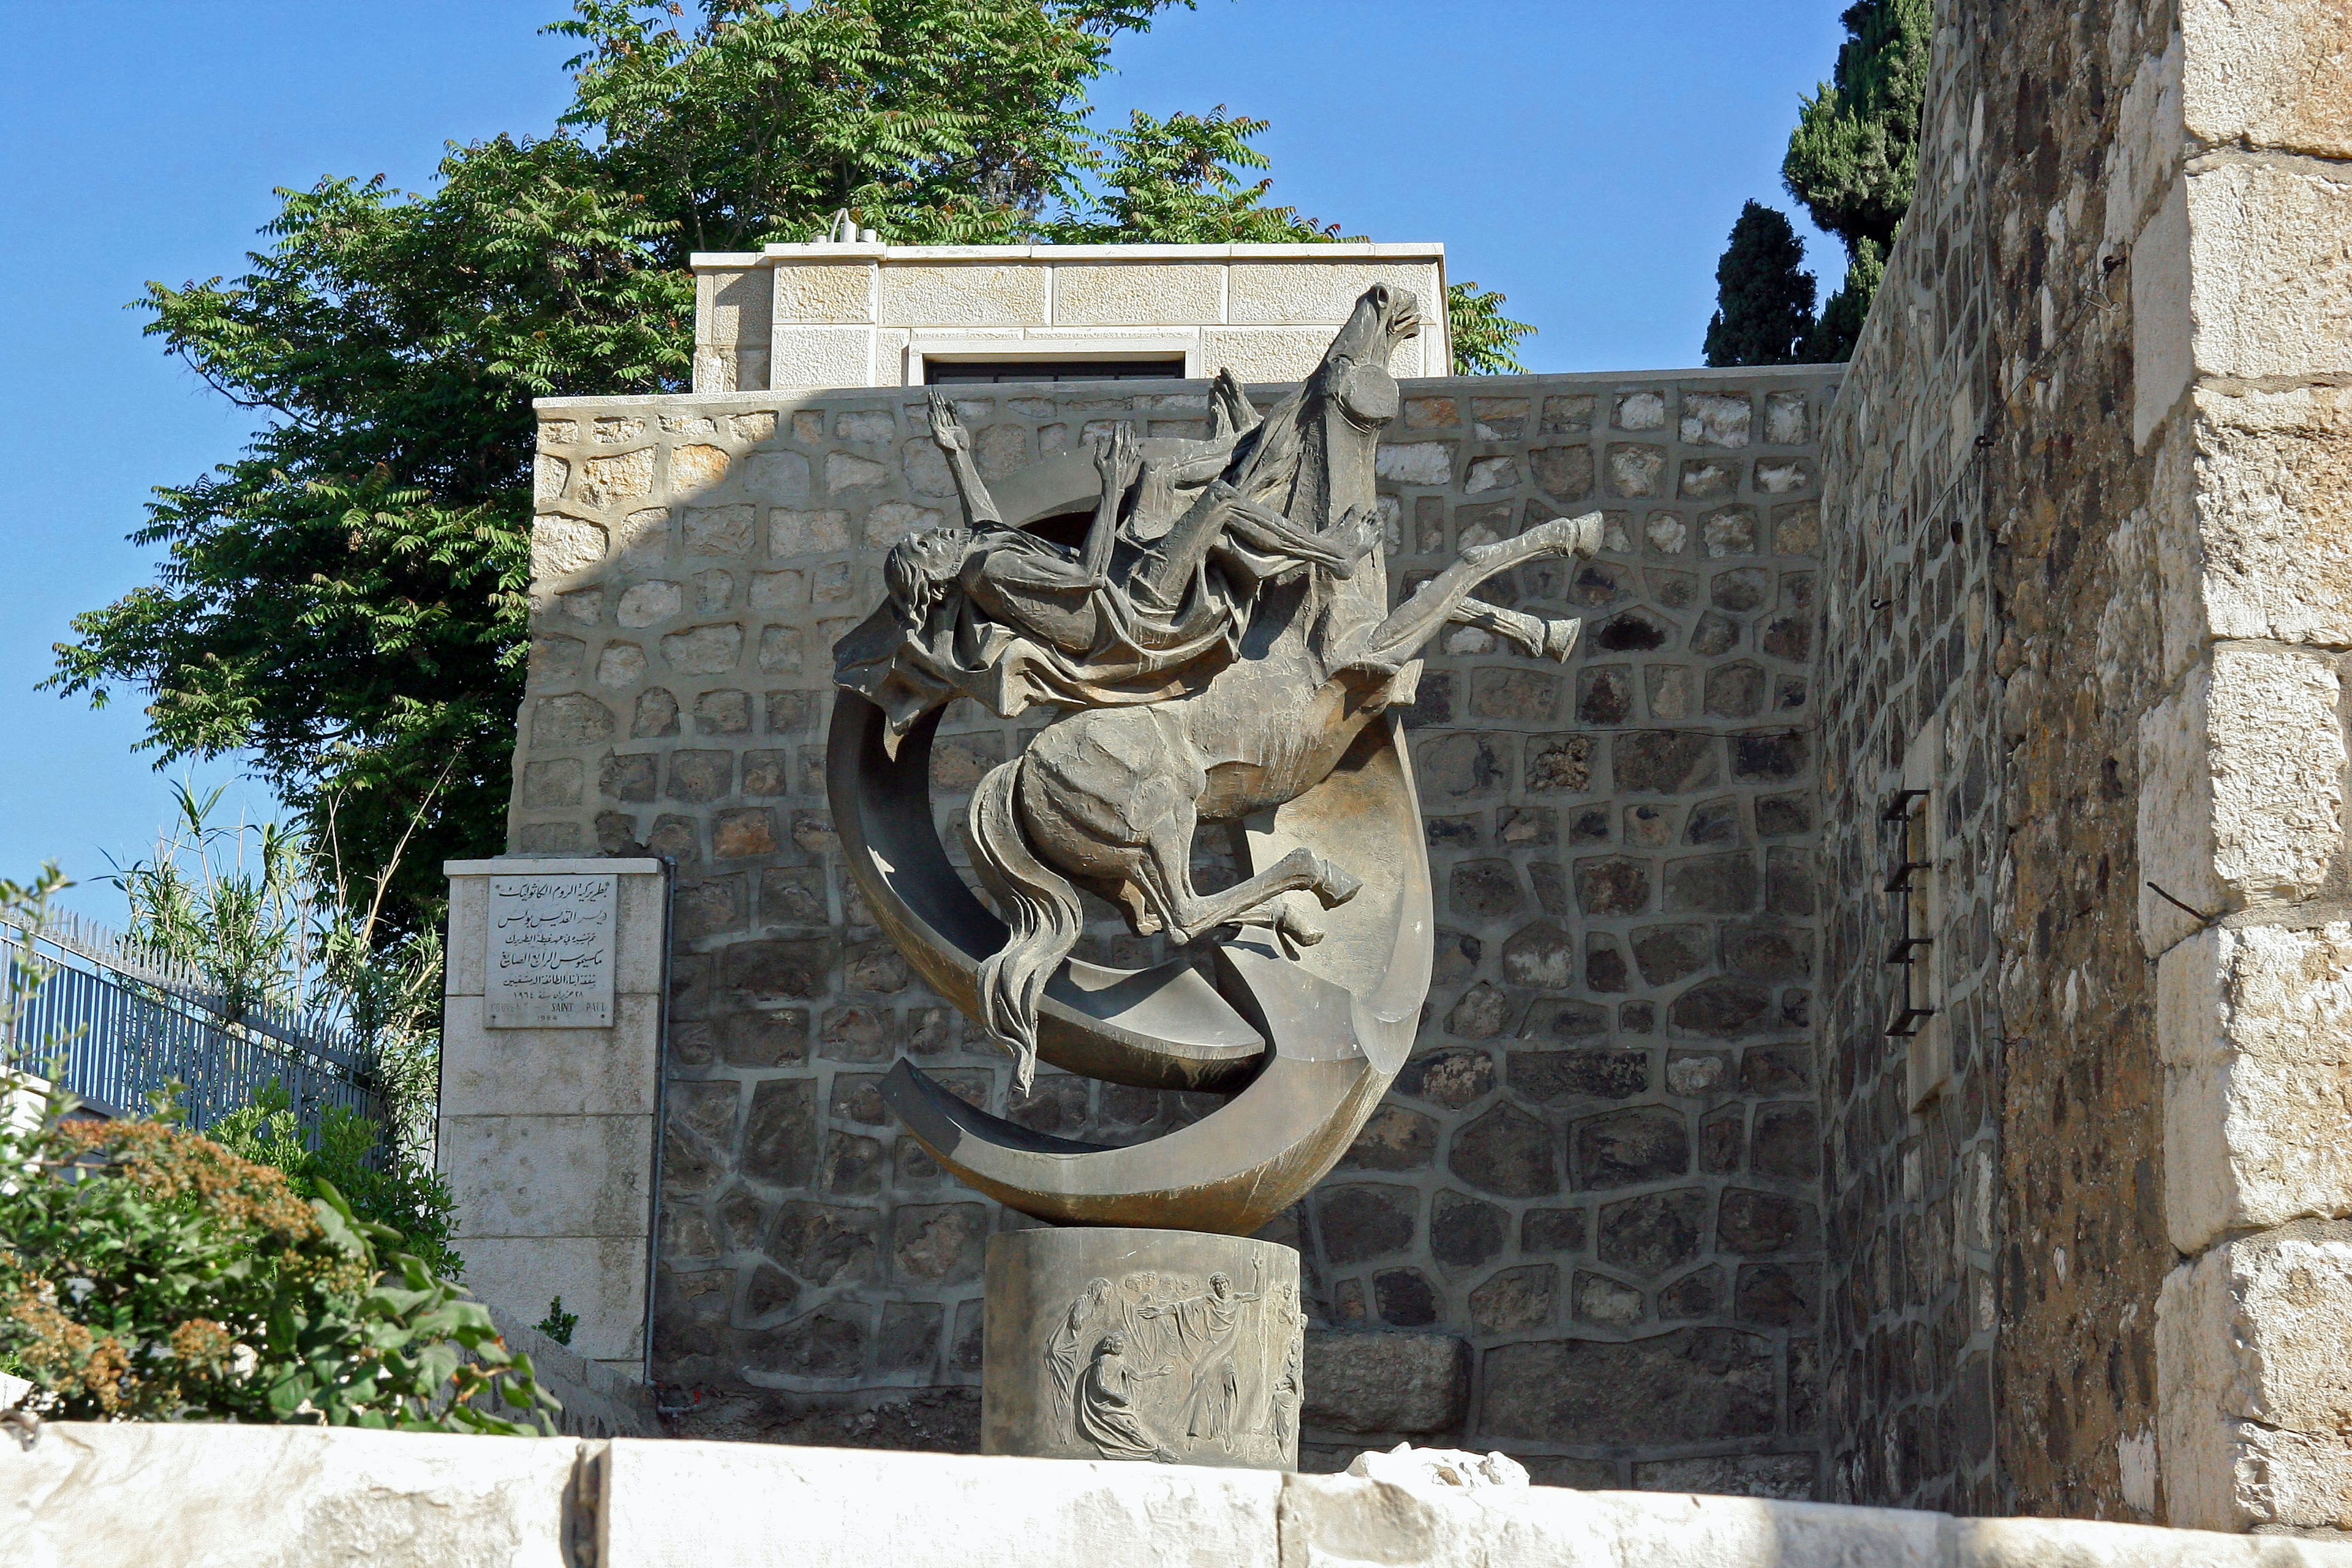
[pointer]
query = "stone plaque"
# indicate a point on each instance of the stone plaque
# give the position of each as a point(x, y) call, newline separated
point(552, 950)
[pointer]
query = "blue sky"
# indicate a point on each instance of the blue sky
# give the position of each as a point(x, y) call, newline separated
point(1585, 158)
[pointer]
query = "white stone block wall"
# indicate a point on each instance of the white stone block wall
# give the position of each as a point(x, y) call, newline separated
point(2242, 327)
point(549, 1137)
point(91, 1496)
point(829, 315)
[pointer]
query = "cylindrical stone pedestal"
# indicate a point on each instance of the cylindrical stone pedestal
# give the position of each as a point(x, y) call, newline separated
point(1171, 1345)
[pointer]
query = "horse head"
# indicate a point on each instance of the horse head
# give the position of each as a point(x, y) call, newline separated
point(1344, 407)
point(1312, 458)
point(1354, 378)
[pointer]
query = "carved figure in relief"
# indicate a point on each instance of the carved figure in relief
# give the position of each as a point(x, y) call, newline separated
point(1106, 1414)
point(1289, 1393)
point(1066, 1349)
point(1184, 1327)
point(1207, 1331)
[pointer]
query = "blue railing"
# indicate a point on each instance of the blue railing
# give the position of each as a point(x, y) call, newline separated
point(118, 1024)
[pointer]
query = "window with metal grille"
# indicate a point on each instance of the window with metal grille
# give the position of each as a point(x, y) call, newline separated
point(1914, 817)
point(953, 372)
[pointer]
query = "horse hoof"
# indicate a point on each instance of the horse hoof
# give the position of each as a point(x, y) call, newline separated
point(1295, 932)
point(1559, 639)
point(1335, 886)
point(1571, 535)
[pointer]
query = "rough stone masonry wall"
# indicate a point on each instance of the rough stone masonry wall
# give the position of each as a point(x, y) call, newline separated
point(1909, 1169)
point(1996, 1251)
point(2102, 383)
point(1583, 1228)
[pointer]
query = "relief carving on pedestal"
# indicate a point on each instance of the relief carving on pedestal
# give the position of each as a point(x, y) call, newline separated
point(1159, 1365)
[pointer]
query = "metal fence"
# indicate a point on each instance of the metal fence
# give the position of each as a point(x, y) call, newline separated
point(120, 1021)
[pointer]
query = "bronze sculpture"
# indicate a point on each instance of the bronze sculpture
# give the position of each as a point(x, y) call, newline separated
point(1217, 647)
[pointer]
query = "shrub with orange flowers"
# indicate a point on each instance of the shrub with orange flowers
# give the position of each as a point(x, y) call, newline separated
point(149, 1274)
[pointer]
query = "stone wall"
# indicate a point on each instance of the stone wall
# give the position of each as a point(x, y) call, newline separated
point(2078, 498)
point(1996, 1182)
point(98, 1495)
point(1908, 700)
point(1584, 1227)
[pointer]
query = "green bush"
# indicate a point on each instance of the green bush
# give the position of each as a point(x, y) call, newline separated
point(149, 1274)
point(349, 1154)
point(558, 1324)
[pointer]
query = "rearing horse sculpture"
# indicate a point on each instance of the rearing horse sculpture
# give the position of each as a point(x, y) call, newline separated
point(1221, 649)
point(1109, 798)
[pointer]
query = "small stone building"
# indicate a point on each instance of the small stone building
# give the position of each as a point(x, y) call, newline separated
point(1887, 1040)
point(836, 315)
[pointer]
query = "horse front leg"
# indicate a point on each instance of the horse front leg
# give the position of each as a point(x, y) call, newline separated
point(1539, 638)
point(1164, 871)
point(1439, 600)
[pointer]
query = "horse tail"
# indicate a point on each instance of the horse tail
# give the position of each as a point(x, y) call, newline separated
point(1039, 904)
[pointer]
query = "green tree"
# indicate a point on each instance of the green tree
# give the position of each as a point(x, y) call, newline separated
point(1854, 161)
point(1764, 310)
point(345, 599)
point(1485, 341)
point(1853, 158)
point(1833, 336)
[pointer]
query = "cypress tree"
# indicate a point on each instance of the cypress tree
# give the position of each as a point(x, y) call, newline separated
point(1854, 161)
point(1764, 299)
point(1853, 158)
point(1833, 337)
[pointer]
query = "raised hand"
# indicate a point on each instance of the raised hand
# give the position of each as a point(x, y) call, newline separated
point(1119, 458)
point(946, 428)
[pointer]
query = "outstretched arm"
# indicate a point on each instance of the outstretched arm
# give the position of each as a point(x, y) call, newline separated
point(1118, 460)
point(978, 506)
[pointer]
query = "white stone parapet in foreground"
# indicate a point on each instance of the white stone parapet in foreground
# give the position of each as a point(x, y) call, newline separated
point(192, 1497)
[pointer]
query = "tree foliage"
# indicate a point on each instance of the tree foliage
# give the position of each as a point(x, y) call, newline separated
point(1853, 158)
point(346, 598)
point(1765, 309)
point(1854, 161)
point(277, 917)
point(346, 1152)
point(1833, 336)
point(933, 121)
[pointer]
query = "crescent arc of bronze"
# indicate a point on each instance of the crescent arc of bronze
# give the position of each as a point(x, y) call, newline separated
point(1310, 1044)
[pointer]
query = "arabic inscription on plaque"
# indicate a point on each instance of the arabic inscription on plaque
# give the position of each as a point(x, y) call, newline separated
point(549, 964)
